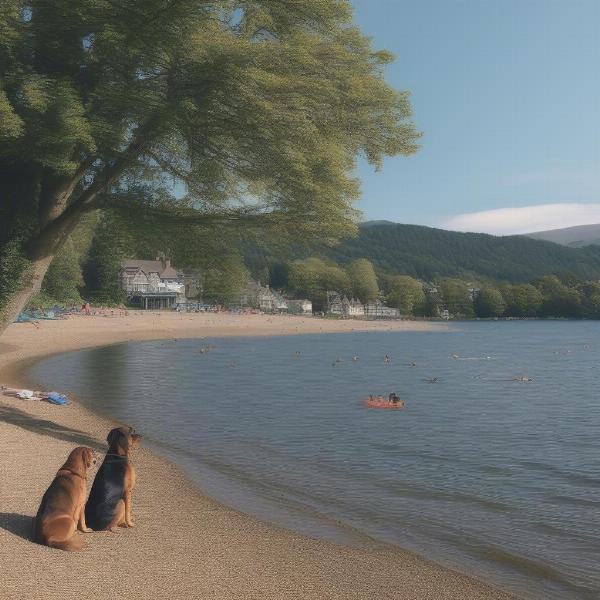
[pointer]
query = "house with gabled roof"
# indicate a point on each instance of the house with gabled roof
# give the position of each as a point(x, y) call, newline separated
point(255, 295)
point(152, 284)
point(338, 304)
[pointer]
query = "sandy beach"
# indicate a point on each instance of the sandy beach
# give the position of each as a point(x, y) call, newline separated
point(185, 545)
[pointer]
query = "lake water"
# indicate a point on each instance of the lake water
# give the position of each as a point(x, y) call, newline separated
point(494, 477)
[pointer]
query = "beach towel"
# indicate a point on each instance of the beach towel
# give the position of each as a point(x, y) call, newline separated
point(57, 398)
point(25, 394)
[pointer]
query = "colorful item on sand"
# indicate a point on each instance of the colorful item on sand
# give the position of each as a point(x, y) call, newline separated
point(56, 398)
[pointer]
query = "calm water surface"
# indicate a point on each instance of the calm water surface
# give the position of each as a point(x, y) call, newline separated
point(494, 477)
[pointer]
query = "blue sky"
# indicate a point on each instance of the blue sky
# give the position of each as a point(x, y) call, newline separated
point(507, 95)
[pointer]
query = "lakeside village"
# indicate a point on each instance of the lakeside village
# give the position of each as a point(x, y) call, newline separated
point(157, 285)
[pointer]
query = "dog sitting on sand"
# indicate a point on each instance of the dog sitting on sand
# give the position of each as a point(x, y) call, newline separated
point(109, 504)
point(61, 511)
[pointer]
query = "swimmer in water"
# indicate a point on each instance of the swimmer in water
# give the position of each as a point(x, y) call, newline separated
point(387, 359)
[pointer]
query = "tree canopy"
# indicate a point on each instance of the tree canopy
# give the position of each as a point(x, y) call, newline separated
point(314, 277)
point(363, 280)
point(185, 112)
point(456, 297)
point(489, 303)
point(405, 293)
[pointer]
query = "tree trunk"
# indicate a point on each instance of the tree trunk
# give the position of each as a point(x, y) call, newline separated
point(32, 284)
point(58, 217)
point(40, 251)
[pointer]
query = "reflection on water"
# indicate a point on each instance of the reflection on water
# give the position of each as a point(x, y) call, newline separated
point(480, 471)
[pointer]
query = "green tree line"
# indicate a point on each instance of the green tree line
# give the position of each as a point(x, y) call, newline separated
point(88, 265)
point(546, 296)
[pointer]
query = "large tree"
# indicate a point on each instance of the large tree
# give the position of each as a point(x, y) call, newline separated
point(184, 111)
point(363, 280)
point(457, 299)
point(224, 281)
point(314, 277)
point(521, 300)
point(558, 300)
point(405, 293)
point(489, 303)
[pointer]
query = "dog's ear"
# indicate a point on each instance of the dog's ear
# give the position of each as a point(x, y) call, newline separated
point(113, 437)
point(78, 459)
point(90, 458)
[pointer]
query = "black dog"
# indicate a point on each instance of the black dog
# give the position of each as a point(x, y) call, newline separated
point(109, 504)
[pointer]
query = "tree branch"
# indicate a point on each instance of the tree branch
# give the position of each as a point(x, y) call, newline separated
point(112, 173)
point(55, 231)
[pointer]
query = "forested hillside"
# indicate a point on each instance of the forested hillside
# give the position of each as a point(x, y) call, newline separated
point(427, 253)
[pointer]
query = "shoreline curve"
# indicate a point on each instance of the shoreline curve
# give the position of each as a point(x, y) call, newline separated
point(186, 544)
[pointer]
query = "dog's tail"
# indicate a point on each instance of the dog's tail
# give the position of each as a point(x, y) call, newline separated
point(76, 542)
point(62, 534)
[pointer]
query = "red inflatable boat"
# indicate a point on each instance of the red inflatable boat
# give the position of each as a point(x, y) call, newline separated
point(381, 402)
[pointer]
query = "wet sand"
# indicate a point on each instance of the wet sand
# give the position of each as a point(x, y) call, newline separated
point(185, 545)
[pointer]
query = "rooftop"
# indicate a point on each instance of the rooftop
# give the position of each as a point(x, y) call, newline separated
point(164, 269)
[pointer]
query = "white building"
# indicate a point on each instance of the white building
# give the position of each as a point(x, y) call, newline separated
point(335, 304)
point(262, 297)
point(152, 283)
point(338, 304)
point(353, 308)
point(379, 310)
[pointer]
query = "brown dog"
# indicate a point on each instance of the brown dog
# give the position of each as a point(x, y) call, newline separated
point(61, 512)
point(109, 504)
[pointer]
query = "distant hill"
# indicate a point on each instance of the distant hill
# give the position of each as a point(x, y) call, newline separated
point(425, 252)
point(575, 237)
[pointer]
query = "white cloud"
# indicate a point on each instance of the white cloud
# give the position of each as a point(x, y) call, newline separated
point(526, 219)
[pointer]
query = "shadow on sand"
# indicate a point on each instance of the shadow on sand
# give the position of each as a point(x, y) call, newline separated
point(19, 525)
point(20, 418)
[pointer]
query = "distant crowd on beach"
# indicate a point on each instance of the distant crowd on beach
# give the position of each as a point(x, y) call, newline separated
point(40, 312)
